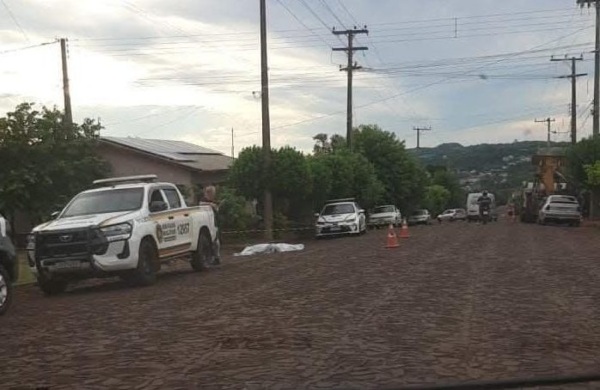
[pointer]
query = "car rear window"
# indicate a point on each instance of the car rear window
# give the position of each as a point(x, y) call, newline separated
point(383, 209)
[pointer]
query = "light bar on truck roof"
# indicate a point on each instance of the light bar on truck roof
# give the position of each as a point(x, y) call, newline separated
point(127, 179)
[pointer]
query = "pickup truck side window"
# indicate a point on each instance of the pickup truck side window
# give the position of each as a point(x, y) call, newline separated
point(173, 198)
point(155, 196)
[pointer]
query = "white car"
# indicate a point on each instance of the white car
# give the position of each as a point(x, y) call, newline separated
point(560, 208)
point(384, 216)
point(342, 216)
point(128, 227)
point(452, 215)
point(420, 217)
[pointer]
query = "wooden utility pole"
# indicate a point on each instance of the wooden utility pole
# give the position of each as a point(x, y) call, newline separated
point(266, 121)
point(596, 127)
point(419, 130)
point(548, 121)
point(232, 149)
point(66, 90)
point(573, 76)
point(350, 67)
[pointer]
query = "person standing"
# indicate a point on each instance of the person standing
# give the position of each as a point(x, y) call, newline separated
point(209, 195)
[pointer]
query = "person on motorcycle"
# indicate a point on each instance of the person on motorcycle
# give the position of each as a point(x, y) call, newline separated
point(485, 202)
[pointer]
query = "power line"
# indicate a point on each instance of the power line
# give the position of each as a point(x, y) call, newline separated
point(15, 21)
point(302, 23)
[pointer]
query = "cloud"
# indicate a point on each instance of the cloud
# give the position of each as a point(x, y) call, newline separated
point(188, 69)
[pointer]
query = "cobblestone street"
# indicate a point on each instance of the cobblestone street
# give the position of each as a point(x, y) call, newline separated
point(455, 302)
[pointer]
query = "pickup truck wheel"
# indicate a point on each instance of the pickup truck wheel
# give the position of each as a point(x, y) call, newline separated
point(145, 273)
point(202, 257)
point(6, 290)
point(51, 287)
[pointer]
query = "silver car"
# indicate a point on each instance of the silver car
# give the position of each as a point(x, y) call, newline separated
point(421, 216)
point(560, 209)
point(384, 216)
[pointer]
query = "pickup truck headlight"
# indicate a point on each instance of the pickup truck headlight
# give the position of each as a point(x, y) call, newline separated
point(117, 232)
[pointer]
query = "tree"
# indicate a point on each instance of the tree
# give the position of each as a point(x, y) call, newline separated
point(579, 156)
point(289, 179)
point(344, 175)
point(401, 174)
point(436, 199)
point(44, 160)
point(233, 212)
point(593, 174)
point(442, 177)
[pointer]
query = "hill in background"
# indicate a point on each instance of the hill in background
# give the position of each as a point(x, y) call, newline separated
point(500, 168)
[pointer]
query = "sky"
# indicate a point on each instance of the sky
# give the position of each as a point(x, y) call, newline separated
point(475, 71)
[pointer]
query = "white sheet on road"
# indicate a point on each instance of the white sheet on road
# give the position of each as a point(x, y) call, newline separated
point(269, 248)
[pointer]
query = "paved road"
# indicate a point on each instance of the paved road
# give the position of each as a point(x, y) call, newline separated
point(455, 302)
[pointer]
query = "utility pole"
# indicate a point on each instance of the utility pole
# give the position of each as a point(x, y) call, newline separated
point(419, 130)
point(66, 90)
point(350, 67)
point(266, 121)
point(596, 127)
point(232, 149)
point(573, 76)
point(548, 121)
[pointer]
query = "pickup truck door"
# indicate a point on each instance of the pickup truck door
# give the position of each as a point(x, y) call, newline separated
point(181, 217)
point(165, 225)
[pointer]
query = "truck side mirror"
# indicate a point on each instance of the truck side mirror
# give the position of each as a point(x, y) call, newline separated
point(316, 215)
point(158, 205)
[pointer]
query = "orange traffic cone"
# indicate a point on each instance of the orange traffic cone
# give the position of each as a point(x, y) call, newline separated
point(404, 231)
point(392, 240)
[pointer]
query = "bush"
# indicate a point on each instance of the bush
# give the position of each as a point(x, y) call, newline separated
point(233, 212)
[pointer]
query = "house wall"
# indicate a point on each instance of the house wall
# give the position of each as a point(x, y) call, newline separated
point(124, 162)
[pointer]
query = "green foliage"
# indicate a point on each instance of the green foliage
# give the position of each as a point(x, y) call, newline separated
point(436, 199)
point(289, 179)
point(246, 174)
point(344, 175)
point(402, 176)
point(593, 174)
point(442, 177)
point(44, 161)
point(233, 213)
point(579, 156)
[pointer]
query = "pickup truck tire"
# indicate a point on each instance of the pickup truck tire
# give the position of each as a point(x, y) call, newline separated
point(201, 258)
point(51, 287)
point(6, 290)
point(145, 273)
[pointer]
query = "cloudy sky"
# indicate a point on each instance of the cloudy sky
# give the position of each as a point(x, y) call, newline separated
point(474, 70)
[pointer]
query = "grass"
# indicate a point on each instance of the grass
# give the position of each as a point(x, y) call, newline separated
point(25, 275)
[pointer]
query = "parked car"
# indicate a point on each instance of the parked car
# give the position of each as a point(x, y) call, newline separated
point(341, 216)
point(9, 267)
point(128, 227)
point(452, 215)
point(420, 217)
point(384, 216)
point(560, 209)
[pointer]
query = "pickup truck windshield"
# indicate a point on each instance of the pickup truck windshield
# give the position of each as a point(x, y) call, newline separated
point(109, 201)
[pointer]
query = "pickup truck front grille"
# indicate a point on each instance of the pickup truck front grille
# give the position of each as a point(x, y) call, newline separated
point(64, 244)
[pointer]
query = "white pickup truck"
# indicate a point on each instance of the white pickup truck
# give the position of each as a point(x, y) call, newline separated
point(127, 227)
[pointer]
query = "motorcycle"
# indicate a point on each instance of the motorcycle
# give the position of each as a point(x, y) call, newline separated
point(485, 216)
